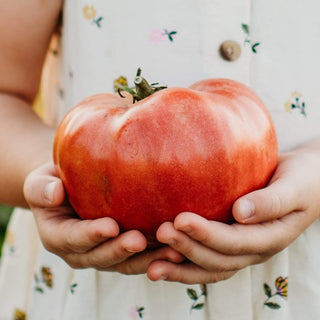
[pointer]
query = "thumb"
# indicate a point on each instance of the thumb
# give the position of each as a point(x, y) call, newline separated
point(272, 202)
point(43, 189)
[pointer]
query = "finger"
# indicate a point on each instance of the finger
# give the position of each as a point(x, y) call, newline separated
point(43, 189)
point(272, 202)
point(202, 255)
point(109, 253)
point(139, 263)
point(80, 236)
point(187, 273)
point(239, 239)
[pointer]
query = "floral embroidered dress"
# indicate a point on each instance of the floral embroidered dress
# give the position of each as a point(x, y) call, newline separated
point(176, 42)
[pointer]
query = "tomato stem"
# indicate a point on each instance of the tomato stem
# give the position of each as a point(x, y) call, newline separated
point(142, 88)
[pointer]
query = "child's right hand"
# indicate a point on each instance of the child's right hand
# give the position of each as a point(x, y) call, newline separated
point(86, 243)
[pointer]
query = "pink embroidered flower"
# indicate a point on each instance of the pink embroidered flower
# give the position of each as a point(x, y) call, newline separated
point(136, 313)
point(156, 35)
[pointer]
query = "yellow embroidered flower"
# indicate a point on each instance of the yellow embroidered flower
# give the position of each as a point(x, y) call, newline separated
point(47, 276)
point(282, 286)
point(19, 315)
point(287, 106)
point(296, 102)
point(118, 83)
point(296, 94)
point(9, 240)
point(89, 12)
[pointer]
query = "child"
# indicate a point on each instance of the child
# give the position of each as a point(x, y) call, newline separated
point(107, 275)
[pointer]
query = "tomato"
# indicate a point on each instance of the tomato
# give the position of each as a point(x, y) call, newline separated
point(193, 149)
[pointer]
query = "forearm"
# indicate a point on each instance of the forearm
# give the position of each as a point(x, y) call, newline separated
point(25, 143)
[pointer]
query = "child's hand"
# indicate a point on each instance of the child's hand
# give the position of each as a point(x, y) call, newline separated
point(85, 243)
point(269, 220)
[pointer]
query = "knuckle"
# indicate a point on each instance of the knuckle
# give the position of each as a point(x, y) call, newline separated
point(126, 268)
point(226, 264)
point(204, 237)
point(187, 250)
point(71, 244)
point(237, 248)
point(93, 261)
point(263, 258)
point(276, 204)
point(222, 276)
point(50, 245)
point(73, 262)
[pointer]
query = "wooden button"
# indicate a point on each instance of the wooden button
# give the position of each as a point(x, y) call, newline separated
point(230, 50)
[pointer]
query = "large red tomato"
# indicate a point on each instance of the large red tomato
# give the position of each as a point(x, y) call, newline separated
point(142, 163)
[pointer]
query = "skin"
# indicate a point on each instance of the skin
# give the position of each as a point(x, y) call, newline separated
point(196, 250)
point(277, 215)
point(28, 144)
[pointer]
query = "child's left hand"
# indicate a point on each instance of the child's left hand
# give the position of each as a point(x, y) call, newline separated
point(278, 214)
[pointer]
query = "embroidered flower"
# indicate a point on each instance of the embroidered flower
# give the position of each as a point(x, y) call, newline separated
point(10, 241)
point(296, 102)
point(246, 30)
point(136, 313)
point(281, 285)
point(158, 35)
point(119, 82)
point(46, 276)
point(43, 279)
point(73, 285)
point(19, 315)
point(90, 13)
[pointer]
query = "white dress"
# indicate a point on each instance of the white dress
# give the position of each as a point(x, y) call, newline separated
point(176, 42)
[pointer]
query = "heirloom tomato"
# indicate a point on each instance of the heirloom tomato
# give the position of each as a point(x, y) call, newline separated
point(142, 162)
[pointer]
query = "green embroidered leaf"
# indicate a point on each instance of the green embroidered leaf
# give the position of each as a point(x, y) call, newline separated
point(198, 306)
point(267, 290)
point(245, 28)
point(39, 289)
point(272, 305)
point(192, 294)
point(72, 287)
point(254, 47)
point(97, 21)
point(36, 278)
point(293, 106)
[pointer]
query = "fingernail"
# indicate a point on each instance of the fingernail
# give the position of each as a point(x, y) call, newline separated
point(246, 209)
point(186, 229)
point(130, 251)
point(163, 277)
point(49, 191)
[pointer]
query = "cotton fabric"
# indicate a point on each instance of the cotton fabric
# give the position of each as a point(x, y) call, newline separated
point(176, 43)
